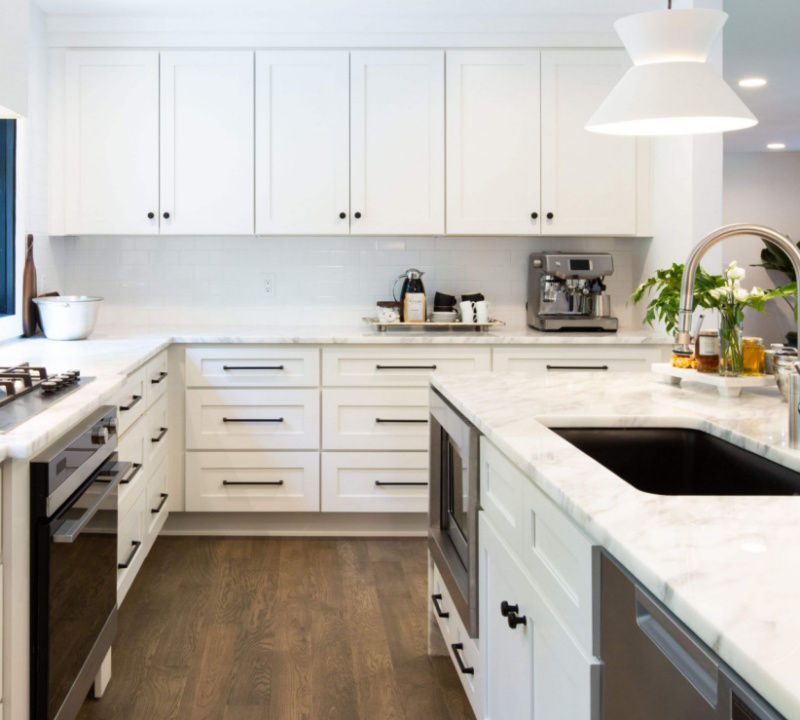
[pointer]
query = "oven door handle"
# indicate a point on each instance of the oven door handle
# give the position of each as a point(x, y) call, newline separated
point(71, 530)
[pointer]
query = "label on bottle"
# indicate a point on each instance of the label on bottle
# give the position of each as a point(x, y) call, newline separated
point(415, 307)
point(708, 345)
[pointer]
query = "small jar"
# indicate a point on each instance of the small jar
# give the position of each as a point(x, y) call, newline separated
point(706, 350)
point(753, 357)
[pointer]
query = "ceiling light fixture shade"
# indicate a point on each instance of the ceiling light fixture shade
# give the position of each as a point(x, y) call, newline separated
point(671, 89)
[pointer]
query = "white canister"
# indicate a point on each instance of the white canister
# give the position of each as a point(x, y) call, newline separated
point(467, 311)
point(794, 408)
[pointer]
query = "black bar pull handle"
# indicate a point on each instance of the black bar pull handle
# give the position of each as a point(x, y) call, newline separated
point(577, 367)
point(157, 510)
point(398, 420)
point(136, 545)
point(252, 420)
point(457, 648)
point(252, 367)
point(405, 367)
point(441, 613)
point(135, 400)
point(252, 482)
point(160, 435)
point(161, 377)
point(136, 467)
point(380, 483)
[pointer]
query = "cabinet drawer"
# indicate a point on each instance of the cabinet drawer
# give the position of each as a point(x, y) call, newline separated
point(440, 604)
point(252, 419)
point(157, 499)
point(131, 547)
point(252, 367)
point(375, 419)
point(134, 447)
point(157, 434)
point(131, 400)
point(252, 482)
point(156, 378)
point(375, 482)
point(407, 366)
point(581, 358)
point(502, 486)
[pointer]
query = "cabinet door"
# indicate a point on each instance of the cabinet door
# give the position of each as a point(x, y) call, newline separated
point(302, 142)
point(397, 142)
point(111, 141)
point(207, 129)
point(493, 136)
point(589, 181)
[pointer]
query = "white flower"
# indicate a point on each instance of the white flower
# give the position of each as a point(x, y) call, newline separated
point(733, 272)
point(741, 295)
point(758, 292)
point(719, 293)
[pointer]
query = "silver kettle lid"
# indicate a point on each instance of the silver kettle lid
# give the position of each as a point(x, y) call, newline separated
point(413, 274)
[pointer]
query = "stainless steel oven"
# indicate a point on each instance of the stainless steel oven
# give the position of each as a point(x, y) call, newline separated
point(73, 563)
point(454, 505)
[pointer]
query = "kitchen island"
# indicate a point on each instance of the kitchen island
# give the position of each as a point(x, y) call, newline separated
point(726, 566)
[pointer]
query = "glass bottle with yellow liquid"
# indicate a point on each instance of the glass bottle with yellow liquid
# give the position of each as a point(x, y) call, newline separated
point(753, 355)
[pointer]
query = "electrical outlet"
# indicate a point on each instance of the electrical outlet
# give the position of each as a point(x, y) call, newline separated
point(269, 285)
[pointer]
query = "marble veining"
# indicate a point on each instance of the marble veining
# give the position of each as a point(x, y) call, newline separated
point(729, 567)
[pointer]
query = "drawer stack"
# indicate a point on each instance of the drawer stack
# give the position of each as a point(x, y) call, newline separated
point(252, 429)
point(143, 440)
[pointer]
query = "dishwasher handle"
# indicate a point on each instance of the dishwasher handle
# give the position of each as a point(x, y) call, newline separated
point(689, 658)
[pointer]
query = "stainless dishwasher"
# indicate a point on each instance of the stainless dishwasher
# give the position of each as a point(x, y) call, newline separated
point(655, 668)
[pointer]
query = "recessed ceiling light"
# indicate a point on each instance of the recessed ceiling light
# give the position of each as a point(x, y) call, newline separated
point(776, 146)
point(752, 82)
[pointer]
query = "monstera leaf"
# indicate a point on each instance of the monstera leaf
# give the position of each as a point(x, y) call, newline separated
point(773, 258)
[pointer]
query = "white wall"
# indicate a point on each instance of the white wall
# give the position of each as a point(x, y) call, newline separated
point(13, 58)
point(762, 188)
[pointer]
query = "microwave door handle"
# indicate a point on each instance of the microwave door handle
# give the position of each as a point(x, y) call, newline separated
point(71, 530)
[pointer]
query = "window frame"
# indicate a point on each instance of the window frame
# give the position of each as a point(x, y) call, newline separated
point(8, 255)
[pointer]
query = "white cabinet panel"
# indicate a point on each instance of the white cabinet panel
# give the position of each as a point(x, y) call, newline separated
point(157, 433)
point(252, 482)
point(493, 136)
point(111, 142)
point(252, 419)
point(131, 401)
point(131, 548)
point(589, 181)
point(252, 367)
point(134, 447)
point(156, 383)
point(207, 143)
point(600, 358)
point(302, 142)
point(397, 142)
point(157, 497)
point(375, 482)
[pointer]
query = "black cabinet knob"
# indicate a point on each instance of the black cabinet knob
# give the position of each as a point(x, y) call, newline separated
point(166, 216)
point(549, 216)
point(151, 215)
point(358, 215)
point(505, 608)
point(514, 620)
point(534, 215)
point(343, 215)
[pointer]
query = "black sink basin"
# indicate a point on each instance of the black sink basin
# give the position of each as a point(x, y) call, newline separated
point(678, 461)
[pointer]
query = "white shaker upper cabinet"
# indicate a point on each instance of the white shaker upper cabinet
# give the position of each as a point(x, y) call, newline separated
point(302, 142)
point(207, 129)
point(493, 135)
point(589, 181)
point(397, 142)
point(111, 143)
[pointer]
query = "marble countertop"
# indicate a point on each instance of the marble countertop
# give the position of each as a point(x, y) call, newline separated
point(729, 567)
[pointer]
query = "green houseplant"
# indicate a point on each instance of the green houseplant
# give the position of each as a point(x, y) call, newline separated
point(773, 258)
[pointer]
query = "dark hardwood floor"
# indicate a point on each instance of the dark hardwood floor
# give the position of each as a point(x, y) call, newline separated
point(279, 629)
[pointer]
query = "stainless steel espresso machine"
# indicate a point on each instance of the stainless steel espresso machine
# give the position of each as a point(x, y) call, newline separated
point(566, 292)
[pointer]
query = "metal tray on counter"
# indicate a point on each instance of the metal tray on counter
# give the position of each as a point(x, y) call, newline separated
point(430, 326)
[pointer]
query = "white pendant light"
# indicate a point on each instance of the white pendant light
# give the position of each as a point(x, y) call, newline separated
point(671, 89)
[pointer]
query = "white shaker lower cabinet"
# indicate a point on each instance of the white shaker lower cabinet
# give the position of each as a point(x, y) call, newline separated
point(570, 358)
point(533, 667)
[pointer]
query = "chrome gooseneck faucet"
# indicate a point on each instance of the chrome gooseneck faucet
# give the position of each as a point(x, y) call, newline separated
point(683, 340)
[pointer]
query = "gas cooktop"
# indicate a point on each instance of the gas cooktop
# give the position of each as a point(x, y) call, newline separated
point(26, 391)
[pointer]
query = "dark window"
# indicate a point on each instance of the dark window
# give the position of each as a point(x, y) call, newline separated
point(7, 152)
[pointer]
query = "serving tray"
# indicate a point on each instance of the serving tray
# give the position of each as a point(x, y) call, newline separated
point(429, 326)
point(728, 387)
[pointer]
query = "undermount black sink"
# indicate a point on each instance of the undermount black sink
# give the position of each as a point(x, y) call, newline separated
point(679, 461)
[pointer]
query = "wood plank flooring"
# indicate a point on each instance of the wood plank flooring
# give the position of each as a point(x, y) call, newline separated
point(279, 629)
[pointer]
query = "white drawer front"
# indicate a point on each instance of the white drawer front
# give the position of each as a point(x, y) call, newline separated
point(375, 419)
point(441, 606)
point(375, 482)
point(134, 447)
point(157, 508)
point(502, 486)
point(131, 401)
point(131, 547)
point(252, 482)
point(407, 366)
point(252, 419)
point(158, 437)
point(156, 378)
point(252, 367)
point(634, 358)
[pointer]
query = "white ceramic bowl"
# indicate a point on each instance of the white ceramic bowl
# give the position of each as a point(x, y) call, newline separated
point(68, 317)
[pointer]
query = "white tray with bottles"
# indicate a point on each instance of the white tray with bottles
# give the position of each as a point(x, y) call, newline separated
point(728, 387)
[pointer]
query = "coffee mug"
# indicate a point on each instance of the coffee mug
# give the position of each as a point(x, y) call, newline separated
point(467, 311)
point(473, 297)
point(444, 301)
point(482, 311)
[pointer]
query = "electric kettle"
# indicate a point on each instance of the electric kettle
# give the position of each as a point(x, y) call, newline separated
point(412, 285)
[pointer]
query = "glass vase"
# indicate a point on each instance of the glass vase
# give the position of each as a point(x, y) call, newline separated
point(730, 344)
